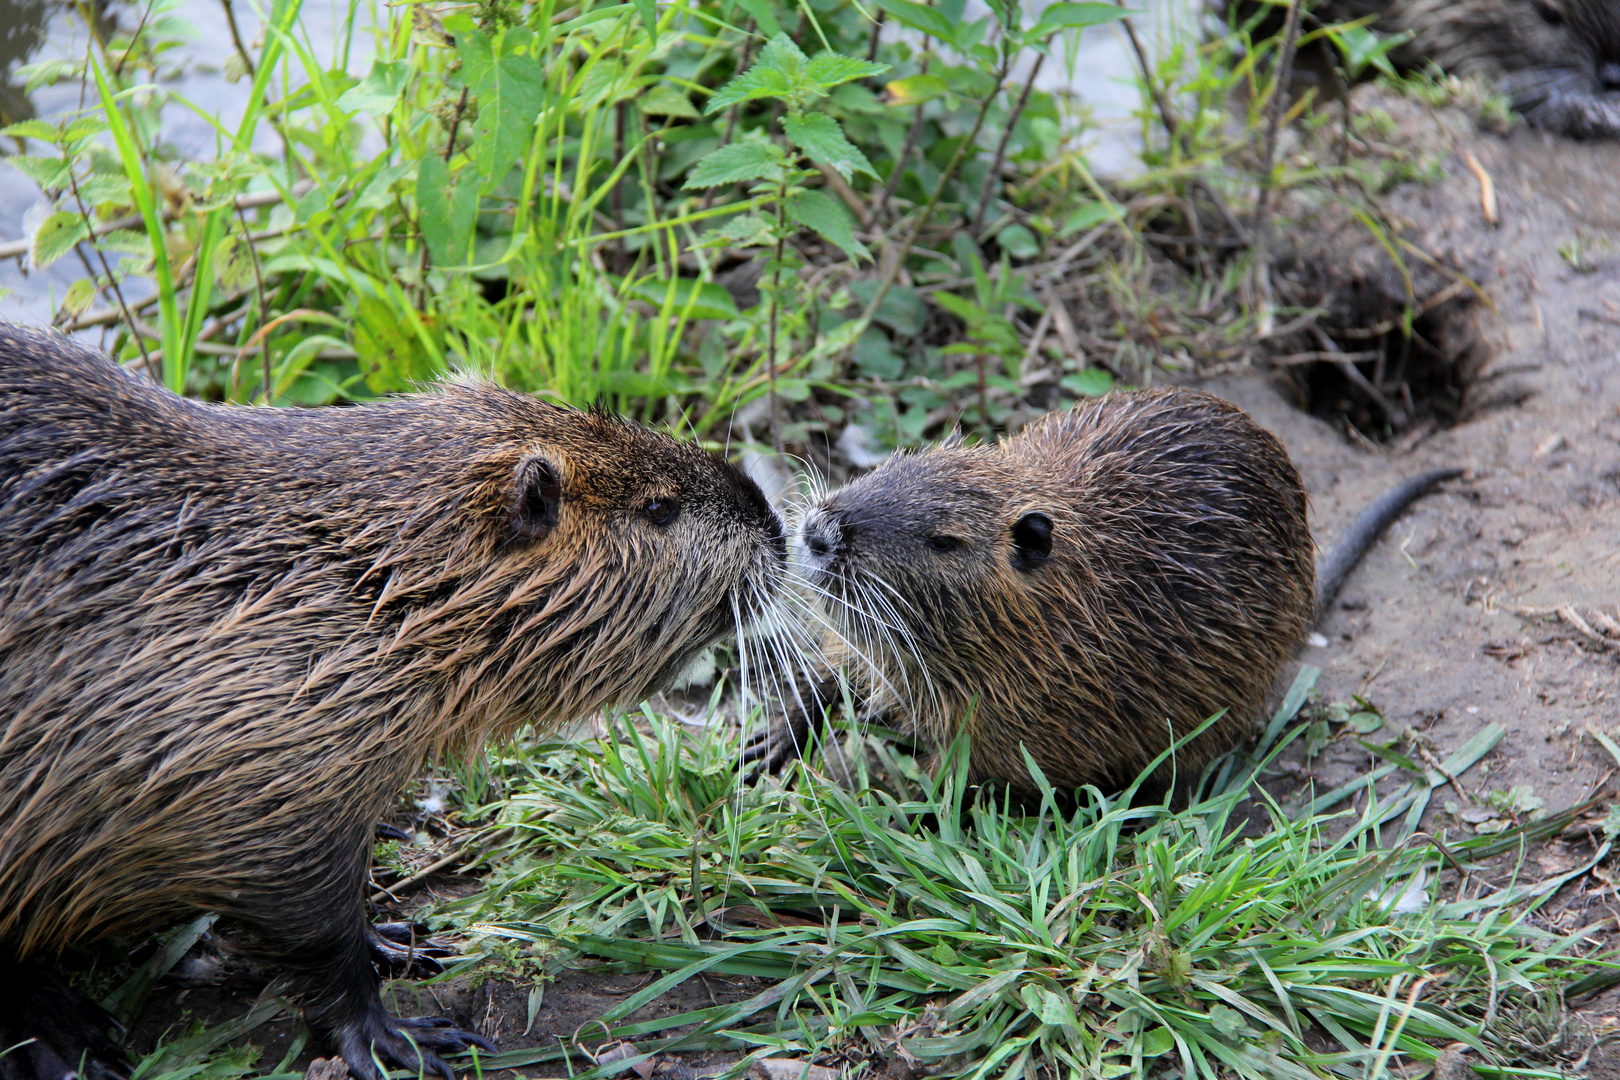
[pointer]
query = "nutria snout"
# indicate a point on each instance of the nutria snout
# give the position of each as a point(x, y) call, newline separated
point(229, 635)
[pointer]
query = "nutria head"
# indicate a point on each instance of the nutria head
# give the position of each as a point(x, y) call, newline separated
point(1112, 574)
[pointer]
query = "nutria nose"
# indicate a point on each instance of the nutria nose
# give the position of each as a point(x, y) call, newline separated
point(1609, 75)
point(820, 535)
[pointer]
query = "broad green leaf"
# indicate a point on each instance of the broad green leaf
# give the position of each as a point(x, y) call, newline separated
point(819, 135)
point(1074, 16)
point(708, 300)
point(828, 69)
point(56, 236)
point(379, 91)
point(778, 73)
point(821, 213)
point(747, 230)
point(648, 10)
point(1158, 1042)
point(666, 100)
point(447, 209)
point(49, 173)
point(922, 17)
point(1018, 242)
point(1093, 382)
point(78, 297)
point(736, 163)
point(915, 89)
point(105, 187)
point(509, 84)
point(32, 129)
point(126, 241)
point(764, 16)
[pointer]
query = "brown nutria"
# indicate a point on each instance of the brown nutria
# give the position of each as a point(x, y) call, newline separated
point(1559, 60)
point(1090, 590)
point(228, 635)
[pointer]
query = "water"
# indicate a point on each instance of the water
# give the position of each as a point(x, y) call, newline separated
point(1101, 74)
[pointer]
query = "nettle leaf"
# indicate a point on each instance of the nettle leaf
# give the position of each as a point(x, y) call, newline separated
point(48, 172)
point(666, 100)
point(379, 91)
point(915, 89)
point(105, 188)
point(510, 85)
point(1074, 16)
point(736, 163)
point(826, 216)
point(447, 209)
point(749, 230)
point(33, 129)
point(922, 17)
point(56, 236)
point(829, 69)
point(819, 135)
point(778, 73)
point(126, 241)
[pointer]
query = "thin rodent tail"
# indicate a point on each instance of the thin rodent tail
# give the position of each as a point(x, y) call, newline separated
point(1338, 560)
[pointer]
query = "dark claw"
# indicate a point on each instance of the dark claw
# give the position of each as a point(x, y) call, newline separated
point(404, 948)
point(408, 1043)
point(384, 831)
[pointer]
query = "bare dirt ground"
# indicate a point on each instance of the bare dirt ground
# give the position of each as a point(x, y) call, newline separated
point(1450, 624)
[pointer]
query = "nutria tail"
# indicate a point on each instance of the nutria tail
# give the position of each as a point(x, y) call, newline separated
point(1338, 560)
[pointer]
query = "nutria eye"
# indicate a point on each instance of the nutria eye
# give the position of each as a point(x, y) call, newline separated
point(662, 511)
point(944, 543)
point(1032, 541)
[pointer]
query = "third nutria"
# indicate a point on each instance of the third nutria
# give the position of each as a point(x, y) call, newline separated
point(229, 635)
point(1559, 60)
point(1090, 590)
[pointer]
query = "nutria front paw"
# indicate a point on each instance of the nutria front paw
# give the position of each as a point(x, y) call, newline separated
point(408, 1042)
point(405, 949)
point(769, 751)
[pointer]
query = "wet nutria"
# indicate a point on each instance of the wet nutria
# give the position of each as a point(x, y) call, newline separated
point(1559, 60)
point(1091, 589)
point(229, 635)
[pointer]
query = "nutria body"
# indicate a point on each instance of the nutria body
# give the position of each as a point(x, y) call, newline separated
point(229, 635)
point(1091, 590)
point(1559, 60)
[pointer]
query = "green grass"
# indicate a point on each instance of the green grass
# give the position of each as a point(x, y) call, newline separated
point(1109, 940)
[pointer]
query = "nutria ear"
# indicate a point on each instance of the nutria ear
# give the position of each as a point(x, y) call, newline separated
point(1032, 541)
point(535, 499)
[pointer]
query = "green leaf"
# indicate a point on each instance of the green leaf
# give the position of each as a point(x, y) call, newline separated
point(379, 91)
point(778, 73)
point(648, 10)
point(1228, 1021)
point(922, 17)
point(821, 213)
point(764, 14)
point(1093, 382)
point(666, 100)
point(447, 210)
point(1018, 242)
point(78, 297)
point(829, 69)
point(509, 85)
point(819, 135)
point(915, 89)
point(736, 163)
point(105, 187)
point(32, 129)
point(126, 241)
point(1058, 17)
point(49, 173)
point(56, 236)
point(746, 230)
point(1158, 1042)
point(708, 300)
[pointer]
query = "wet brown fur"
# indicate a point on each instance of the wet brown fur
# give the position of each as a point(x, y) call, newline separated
point(1179, 580)
point(1559, 60)
point(228, 635)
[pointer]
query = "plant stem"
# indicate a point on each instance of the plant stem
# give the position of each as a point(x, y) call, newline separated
point(264, 307)
point(886, 282)
point(1259, 268)
point(129, 319)
point(236, 36)
point(776, 303)
point(1001, 147)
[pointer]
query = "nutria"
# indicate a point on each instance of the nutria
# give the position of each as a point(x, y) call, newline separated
point(1089, 590)
point(1559, 60)
point(229, 635)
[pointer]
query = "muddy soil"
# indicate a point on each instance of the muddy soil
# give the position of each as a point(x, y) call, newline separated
point(1450, 624)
